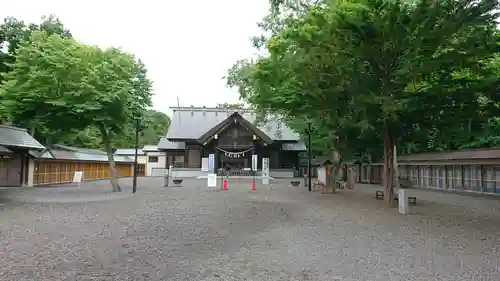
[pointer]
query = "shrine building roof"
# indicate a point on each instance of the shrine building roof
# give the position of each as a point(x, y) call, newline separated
point(190, 123)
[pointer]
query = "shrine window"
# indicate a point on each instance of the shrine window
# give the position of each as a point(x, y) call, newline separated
point(178, 159)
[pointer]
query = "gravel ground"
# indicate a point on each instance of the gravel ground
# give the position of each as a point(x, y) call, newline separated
point(277, 233)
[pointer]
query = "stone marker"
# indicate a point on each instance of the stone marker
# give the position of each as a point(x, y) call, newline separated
point(403, 202)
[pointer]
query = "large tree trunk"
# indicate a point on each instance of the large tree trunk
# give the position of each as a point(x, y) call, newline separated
point(388, 168)
point(334, 170)
point(396, 169)
point(32, 130)
point(112, 167)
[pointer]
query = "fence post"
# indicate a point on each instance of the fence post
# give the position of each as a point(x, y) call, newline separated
point(446, 176)
point(481, 171)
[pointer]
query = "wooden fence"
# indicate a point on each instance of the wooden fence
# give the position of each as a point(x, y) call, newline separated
point(62, 171)
point(469, 177)
point(481, 176)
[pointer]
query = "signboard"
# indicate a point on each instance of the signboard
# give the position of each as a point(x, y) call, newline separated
point(212, 180)
point(204, 164)
point(255, 161)
point(265, 170)
point(322, 175)
point(78, 177)
point(211, 162)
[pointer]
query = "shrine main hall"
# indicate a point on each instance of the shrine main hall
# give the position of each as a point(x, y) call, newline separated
point(232, 136)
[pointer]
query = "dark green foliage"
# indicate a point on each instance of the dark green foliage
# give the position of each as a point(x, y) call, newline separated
point(12, 33)
point(60, 88)
point(370, 74)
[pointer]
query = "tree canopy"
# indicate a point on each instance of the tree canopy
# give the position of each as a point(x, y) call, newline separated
point(12, 32)
point(60, 85)
point(373, 73)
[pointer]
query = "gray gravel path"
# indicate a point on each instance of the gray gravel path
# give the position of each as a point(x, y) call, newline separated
point(281, 233)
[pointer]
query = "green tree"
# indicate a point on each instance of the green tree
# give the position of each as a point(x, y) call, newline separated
point(368, 68)
point(153, 125)
point(62, 84)
point(14, 31)
point(86, 138)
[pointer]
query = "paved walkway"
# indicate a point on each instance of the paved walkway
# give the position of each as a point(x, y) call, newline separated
point(276, 233)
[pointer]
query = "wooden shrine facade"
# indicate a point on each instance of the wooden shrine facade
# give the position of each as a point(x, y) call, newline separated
point(233, 139)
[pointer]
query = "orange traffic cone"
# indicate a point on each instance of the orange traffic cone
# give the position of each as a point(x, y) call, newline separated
point(253, 185)
point(225, 184)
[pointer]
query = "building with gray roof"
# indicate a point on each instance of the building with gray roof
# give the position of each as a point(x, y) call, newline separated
point(15, 147)
point(231, 135)
point(24, 161)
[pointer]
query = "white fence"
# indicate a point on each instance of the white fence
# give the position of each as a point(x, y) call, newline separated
point(158, 172)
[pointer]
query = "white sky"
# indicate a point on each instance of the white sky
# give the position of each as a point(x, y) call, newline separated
point(187, 46)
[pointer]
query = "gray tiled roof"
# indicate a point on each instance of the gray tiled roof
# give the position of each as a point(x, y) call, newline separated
point(45, 155)
point(39, 153)
point(62, 154)
point(128, 151)
point(147, 148)
point(79, 149)
point(17, 137)
point(5, 149)
point(166, 144)
point(298, 146)
point(192, 122)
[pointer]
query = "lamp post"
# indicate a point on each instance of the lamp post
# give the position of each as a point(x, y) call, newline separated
point(308, 131)
point(137, 129)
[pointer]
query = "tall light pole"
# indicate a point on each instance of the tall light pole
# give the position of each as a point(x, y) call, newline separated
point(309, 155)
point(137, 129)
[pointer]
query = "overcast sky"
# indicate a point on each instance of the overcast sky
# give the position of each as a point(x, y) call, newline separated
point(187, 46)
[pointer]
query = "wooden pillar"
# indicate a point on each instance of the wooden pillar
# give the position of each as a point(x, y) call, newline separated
point(419, 179)
point(481, 173)
point(462, 176)
point(186, 157)
point(359, 173)
point(349, 177)
point(297, 160)
point(373, 172)
point(202, 151)
point(446, 176)
point(431, 175)
point(369, 175)
point(216, 154)
point(21, 173)
point(495, 180)
point(327, 174)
